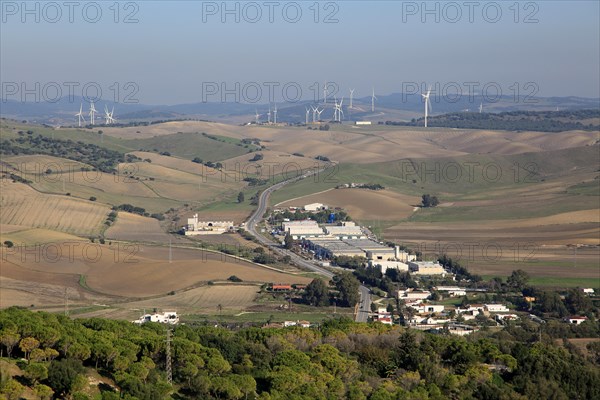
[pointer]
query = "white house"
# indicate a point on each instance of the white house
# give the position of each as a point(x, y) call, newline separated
point(588, 291)
point(496, 308)
point(575, 320)
point(428, 308)
point(384, 316)
point(168, 317)
point(452, 291)
point(410, 294)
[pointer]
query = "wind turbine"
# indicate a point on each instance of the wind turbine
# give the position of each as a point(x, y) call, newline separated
point(351, 97)
point(307, 112)
point(480, 107)
point(269, 115)
point(337, 112)
point(373, 98)
point(319, 112)
point(80, 114)
point(325, 93)
point(109, 115)
point(427, 104)
point(314, 114)
point(275, 114)
point(256, 116)
point(93, 112)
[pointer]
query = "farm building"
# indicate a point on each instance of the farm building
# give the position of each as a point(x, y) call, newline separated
point(169, 317)
point(329, 247)
point(315, 207)
point(362, 123)
point(494, 308)
point(196, 227)
point(452, 291)
point(278, 287)
point(426, 268)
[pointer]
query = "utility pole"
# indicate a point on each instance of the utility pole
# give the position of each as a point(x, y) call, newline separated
point(168, 367)
point(66, 302)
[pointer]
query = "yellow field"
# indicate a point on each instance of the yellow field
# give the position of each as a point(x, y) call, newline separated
point(21, 205)
point(136, 228)
point(363, 204)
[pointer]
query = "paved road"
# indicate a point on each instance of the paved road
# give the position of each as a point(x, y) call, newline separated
point(256, 217)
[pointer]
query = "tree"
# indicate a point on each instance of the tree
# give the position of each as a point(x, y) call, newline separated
point(36, 372)
point(62, 375)
point(288, 241)
point(347, 285)
point(577, 302)
point(9, 340)
point(518, 279)
point(8, 243)
point(27, 345)
point(12, 390)
point(240, 198)
point(317, 293)
point(429, 201)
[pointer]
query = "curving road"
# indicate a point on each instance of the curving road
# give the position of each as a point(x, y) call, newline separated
point(256, 217)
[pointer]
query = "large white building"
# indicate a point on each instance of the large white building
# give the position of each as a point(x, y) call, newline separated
point(196, 227)
point(315, 207)
point(302, 229)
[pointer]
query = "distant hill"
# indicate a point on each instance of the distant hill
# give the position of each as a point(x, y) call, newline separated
point(543, 121)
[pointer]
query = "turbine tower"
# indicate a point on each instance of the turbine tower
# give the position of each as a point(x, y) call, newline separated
point(351, 97)
point(275, 114)
point(79, 115)
point(93, 112)
point(427, 104)
point(269, 115)
point(480, 108)
point(307, 112)
point(337, 112)
point(256, 116)
point(373, 98)
point(325, 93)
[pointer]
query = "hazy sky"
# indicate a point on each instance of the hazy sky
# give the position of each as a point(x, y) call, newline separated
point(178, 48)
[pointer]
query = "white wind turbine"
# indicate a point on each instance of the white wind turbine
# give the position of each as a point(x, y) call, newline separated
point(256, 116)
point(314, 113)
point(79, 115)
point(109, 115)
point(427, 104)
point(275, 114)
point(480, 108)
point(373, 98)
point(93, 112)
point(269, 115)
point(351, 97)
point(337, 112)
point(319, 112)
point(325, 93)
point(307, 112)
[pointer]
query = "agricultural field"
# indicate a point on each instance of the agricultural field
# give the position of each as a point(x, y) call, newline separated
point(22, 205)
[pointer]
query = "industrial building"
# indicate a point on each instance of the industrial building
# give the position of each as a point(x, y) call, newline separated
point(385, 265)
point(302, 229)
point(196, 227)
point(345, 230)
point(426, 268)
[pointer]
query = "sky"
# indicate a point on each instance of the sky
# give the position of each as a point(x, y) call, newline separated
point(172, 52)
